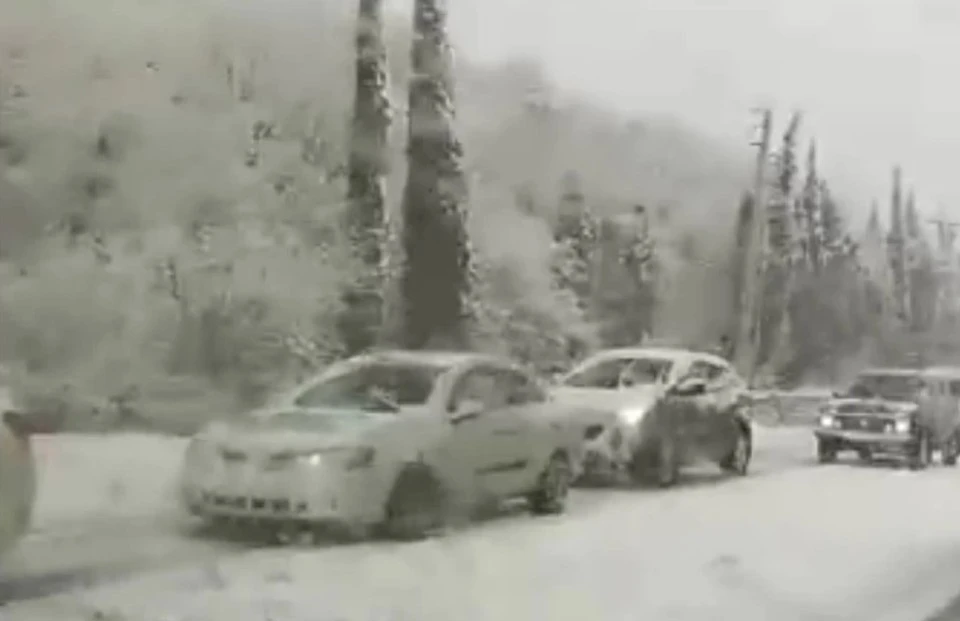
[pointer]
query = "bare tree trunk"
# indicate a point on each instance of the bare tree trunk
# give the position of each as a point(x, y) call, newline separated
point(366, 185)
point(435, 281)
point(779, 272)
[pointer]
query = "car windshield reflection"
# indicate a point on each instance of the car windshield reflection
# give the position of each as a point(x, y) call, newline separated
point(612, 373)
point(373, 387)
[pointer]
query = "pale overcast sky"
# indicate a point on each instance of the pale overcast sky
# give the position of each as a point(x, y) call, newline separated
point(876, 78)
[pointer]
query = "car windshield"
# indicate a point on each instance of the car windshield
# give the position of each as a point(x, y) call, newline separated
point(895, 387)
point(613, 372)
point(378, 386)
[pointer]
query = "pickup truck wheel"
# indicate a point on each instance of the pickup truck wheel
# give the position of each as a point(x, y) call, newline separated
point(553, 487)
point(922, 454)
point(415, 508)
point(950, 451)
point(826, 452)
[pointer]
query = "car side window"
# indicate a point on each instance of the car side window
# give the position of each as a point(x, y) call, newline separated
point(520, 388)
point(955, 388)
point(484, 385)
point(706, 370)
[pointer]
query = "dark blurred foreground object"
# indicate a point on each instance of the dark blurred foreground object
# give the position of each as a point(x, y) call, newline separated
point(17, 471)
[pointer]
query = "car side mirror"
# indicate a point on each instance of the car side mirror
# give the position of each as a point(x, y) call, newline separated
point(466, 410)
point(689, 387)
point(836, 394)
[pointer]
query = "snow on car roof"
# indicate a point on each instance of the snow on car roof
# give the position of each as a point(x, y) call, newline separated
point(438, 358)
point(891, 371)
point(666, 353)
point(942, 372)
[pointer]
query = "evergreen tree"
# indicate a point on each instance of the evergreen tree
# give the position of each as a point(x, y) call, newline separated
point(809, 217)
point(436, 278)
point(922, 282)
point(777, 273)
point(366, 180)
point(896, 249)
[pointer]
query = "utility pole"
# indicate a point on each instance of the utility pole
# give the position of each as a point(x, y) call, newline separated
point(748, 322)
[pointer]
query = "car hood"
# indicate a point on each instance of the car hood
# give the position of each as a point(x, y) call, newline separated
point(297, 430)
point(850, 405)
point(630, 404)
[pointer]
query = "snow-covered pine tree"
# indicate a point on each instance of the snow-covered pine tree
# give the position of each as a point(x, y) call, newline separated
point(777, 275)
point(366, 180)
point(896, 248)
point(437, 274)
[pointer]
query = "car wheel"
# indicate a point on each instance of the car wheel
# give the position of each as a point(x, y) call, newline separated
point(666, 470)
point(738, 461)
point(553, 487)
point(865, 454)
point(922, 454)
point(826, 452)
point(416, 506)
point(950, 450)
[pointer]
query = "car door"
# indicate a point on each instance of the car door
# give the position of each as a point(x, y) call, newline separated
point(528, 435)
point(726, 391)
point(487, 443)
point(708, 414)
point(953, 416)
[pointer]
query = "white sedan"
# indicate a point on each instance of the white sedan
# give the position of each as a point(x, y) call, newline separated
point(399, 440)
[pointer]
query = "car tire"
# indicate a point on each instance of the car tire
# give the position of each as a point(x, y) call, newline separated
point(865, 455)
point(923, 453)
point(950, 450)
point(738, 461)
point(416, 507)
point(553, 487)
point(666, 468)
point(826, 452)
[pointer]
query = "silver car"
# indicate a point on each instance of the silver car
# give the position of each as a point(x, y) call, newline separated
point(649, 411)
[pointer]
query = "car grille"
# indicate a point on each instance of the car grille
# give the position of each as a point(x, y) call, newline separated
point(863, 423)
point(233, 455)
point(275, 506)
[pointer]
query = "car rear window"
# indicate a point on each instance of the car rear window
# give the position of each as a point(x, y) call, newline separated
point(606, 372)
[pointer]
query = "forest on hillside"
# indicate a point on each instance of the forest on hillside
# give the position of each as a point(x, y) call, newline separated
point(200, 217)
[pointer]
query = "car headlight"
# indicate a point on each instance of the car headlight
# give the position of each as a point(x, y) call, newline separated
point(632, 415)
point(827, 420)
point(311, 460)
point(902, 426)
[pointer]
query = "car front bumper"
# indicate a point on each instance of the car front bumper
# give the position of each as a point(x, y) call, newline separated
point(301, 496)
point(890, 443)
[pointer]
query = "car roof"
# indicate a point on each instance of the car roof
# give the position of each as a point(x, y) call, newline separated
point(941, 372)
point(666, 353)
point(891, 371)
point(431, 357)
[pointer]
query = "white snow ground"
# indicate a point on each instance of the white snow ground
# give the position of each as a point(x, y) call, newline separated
point(794, 541)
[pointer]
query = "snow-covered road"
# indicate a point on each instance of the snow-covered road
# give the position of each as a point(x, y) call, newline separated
point(792, 541)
